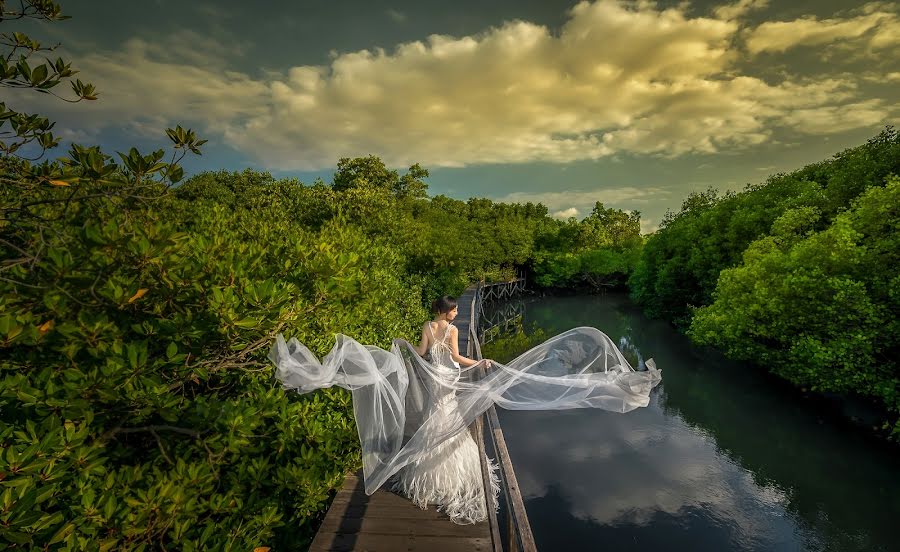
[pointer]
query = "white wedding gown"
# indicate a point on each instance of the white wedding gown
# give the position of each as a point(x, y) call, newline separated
point(449, 476)
point(413, 414)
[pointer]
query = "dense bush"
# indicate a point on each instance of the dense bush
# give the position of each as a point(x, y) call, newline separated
point(797, 275)
point(598, 252)
point(680, 264)
point(818, 308)
point(137, 405)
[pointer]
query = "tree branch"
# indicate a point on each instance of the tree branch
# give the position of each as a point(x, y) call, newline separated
point(152, 428)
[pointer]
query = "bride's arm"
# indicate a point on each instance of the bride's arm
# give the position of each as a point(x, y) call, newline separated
point(454, 349)
point(422, 347)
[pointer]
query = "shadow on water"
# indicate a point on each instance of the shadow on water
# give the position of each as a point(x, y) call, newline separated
point(724, 458)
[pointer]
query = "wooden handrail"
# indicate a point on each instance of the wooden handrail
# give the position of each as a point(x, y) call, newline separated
point(479, 434)
point(518, 527)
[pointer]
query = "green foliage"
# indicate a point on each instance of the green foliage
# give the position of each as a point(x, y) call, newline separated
point(680, 264)
point(137, 409)
point(797, 274)
point(598, 252)
point(370, 172)
point(596, 269)
point(16, 72)
point(137, 405)
point(819, 308)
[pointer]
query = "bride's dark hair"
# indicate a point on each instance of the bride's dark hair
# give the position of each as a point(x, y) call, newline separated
point(443, 304)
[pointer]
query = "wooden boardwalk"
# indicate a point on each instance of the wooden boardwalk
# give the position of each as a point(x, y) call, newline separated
point(389, 522)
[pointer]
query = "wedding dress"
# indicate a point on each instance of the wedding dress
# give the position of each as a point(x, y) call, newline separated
point(413, 413)
point(448, 476)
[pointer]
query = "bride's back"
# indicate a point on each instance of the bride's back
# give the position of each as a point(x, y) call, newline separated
point(441, 352)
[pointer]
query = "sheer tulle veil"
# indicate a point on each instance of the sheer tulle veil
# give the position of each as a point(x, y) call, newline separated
point(394, 391)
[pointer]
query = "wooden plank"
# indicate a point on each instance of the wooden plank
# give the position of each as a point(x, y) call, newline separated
point(399, 526)
point(355, 511)
point(397, 543)
point(387, 501)
point(388, 521)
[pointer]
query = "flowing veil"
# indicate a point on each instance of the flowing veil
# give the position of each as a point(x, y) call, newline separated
point(394, 391)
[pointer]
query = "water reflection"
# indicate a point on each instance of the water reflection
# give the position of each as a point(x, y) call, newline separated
point(722, 459)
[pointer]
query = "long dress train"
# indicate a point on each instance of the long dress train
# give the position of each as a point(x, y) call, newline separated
point(413, 414)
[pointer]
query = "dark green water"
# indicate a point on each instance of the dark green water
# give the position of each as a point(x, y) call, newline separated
point(723, 458)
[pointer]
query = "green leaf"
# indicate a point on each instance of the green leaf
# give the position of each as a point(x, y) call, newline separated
point(39, 74)
point(62, 533)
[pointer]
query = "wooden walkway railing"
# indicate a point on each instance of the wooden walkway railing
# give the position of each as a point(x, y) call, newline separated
point(518, 528)
point(387, 522)
point(501, 290)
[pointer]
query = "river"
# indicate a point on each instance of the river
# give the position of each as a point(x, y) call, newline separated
point(725, 457)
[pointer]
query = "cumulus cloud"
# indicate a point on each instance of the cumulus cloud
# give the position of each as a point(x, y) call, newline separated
point(565, 213)
point(876, 27)
point(145, 82)
point(585, 199)
point(825, 119)
point(618, 77)
point(397, 16)
point(739, 9)
point(569, 203)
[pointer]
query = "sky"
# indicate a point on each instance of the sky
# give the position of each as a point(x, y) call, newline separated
point(634, 104)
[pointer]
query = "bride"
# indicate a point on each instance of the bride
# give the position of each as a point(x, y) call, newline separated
point(450, 474)
point(413, 404)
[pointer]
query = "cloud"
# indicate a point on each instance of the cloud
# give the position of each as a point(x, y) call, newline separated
point(145, 77)
point(739, 9)
point(585, 199)
point(881, 77)
point(618, 78)
point(213, 11)
point(824, 119)
point(648, 225)
point(569, 203)
point(397, 16)
point(565, 213)
point(875, 28)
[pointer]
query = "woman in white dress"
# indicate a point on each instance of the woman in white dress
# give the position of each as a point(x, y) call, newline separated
point(450, 475)
point(413, 405)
